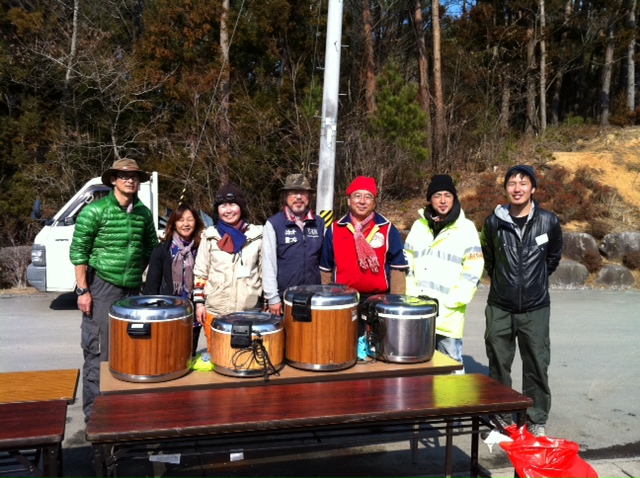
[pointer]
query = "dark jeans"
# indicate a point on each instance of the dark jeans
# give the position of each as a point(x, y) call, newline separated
point(95, 336)
point(531, 330)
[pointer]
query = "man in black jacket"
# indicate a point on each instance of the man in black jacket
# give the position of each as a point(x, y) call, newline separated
point(522, 245)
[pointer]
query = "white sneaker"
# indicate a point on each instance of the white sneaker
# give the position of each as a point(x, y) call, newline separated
point(537, 429)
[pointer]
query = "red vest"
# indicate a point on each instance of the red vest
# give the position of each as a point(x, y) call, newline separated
point(347, 270)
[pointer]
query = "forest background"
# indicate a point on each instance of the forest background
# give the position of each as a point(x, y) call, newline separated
point(207, 92)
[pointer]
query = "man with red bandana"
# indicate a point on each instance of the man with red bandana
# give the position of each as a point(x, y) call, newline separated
point(363, 249)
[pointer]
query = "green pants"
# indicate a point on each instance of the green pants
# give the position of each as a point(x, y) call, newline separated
point(531, 330)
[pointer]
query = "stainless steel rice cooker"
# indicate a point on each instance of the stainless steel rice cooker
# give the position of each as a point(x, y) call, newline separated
point(400, 328)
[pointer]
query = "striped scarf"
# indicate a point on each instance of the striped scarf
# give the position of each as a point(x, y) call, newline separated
point(367, 258)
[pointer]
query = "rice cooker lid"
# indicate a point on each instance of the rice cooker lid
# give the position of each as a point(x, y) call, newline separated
point(330, 295)
point(403, 305)
point(151, 308)
point(261, 322)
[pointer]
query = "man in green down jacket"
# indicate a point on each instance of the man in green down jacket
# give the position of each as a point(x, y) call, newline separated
point(111, 247)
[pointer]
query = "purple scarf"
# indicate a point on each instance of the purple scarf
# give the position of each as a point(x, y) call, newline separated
point(182, 266)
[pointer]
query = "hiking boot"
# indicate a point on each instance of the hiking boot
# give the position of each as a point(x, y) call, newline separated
point(503, 420)
point(537, 429)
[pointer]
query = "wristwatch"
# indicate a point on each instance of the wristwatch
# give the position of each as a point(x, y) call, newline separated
point(81, 290)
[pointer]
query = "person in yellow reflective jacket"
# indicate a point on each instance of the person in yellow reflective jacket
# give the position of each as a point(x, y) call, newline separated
point(445, 262)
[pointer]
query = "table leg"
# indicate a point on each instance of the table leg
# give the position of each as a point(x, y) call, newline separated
point(59, 460)
point(414, 444)
point(100, 456)
point(449, 449)
point(51, 460)
point(475, 436)
point(521, 420)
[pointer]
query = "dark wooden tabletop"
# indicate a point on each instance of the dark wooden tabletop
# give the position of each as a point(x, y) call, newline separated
point(27, 424)
point(205, 412)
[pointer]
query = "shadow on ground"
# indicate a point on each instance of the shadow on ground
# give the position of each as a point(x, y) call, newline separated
point(358, 461)
point(472, 366)
point(66, 301)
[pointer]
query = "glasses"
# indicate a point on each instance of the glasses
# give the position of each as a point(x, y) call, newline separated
point(126, 177)
point(365, 197)
point(229, 197)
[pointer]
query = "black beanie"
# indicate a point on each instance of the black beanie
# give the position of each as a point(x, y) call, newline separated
point(521, 169)
point(231, 194)
point(441, 182)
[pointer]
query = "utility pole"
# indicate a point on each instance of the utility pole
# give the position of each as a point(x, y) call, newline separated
point(328, 129)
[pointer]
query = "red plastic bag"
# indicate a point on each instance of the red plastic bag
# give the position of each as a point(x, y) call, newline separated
point(545, 456)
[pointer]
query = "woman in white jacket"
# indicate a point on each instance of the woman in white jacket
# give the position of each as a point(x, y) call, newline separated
point(228, 271)
point(445, 262)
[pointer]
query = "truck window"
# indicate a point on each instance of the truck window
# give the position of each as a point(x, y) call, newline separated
point(72, 209)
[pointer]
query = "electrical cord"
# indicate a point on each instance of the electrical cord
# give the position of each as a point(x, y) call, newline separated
point(257, 354)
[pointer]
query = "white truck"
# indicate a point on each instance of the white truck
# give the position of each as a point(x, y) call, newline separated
point(51, 269)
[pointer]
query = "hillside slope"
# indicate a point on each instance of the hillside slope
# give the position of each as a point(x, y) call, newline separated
point(612, 159)
point(615, 157)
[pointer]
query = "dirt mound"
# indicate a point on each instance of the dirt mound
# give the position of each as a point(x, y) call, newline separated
point(612, 158)
point(616, 158)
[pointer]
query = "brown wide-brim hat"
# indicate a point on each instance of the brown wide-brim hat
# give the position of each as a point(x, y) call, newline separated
point(296, 182)
point(128, 165)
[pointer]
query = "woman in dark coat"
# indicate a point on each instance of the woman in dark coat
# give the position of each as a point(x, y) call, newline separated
point(171, 263)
